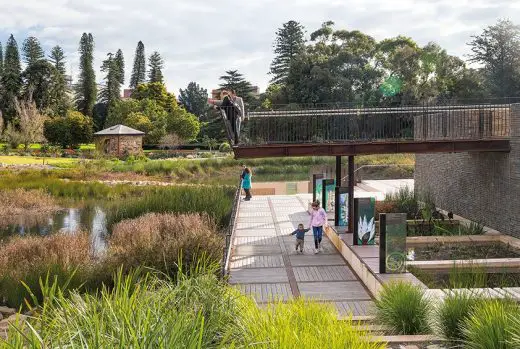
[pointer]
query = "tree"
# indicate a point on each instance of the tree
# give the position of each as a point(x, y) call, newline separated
point(57, 59)
point(498, 49)
point(42, 85)
point(211, 143)
point(139, 70)
point(195, 100)
point(32, 51)
point(111, 92)
point(289, 43)
point(156, 65)
point(31, 122)
point(120, 65)
point(183, 124)
point(156, 91)
point(233, 80)
point(1, 61)
point(69, 131)
point(11, 79)
point(86, 89)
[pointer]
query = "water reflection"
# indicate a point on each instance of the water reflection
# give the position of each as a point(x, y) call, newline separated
point(91, 218)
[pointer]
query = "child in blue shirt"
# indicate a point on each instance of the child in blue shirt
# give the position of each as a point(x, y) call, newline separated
point(300, 236)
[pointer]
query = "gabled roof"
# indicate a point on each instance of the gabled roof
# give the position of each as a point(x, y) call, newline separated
point(119, 130)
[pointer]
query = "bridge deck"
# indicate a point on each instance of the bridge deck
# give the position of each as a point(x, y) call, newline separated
point(265, 265)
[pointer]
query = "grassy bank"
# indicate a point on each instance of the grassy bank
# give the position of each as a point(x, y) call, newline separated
point(30, 202)
point(143, 311)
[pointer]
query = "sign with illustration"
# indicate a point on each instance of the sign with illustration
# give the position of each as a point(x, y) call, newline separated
point(317, 186)
point(341, 218)
point(328, 197)
point(392, 244)
point(364, 221)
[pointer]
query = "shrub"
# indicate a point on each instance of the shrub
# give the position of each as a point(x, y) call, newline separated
point(27, 259)
point(385, 207)
point(225, 148)
point(405, 201)
point(298, 324)
point(158, 240)
point(71, 130)
point(452, 313)
point(403, 308)
point(489, 326)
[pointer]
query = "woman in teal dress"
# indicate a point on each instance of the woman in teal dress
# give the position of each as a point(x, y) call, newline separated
point(246, 183)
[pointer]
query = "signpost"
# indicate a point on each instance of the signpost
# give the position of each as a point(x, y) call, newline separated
point(341, 212)
point(392, 244)
point(329, 189)
point(364, 221)
point(317, 180)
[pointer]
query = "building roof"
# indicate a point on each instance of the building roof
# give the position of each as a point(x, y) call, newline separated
point(119, 130)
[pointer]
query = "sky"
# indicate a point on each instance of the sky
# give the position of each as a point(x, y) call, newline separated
point(200, 39)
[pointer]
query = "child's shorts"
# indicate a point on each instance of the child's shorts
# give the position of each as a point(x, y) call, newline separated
point(299, 243)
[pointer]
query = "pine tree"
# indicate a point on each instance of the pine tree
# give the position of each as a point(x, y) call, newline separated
point(86, 89)
point(139, 70)
point(156, 65)
point(11, 79)
point(233, 80)
point(1, 60)
point(32, 51)
point(195, 100)
point(120, 63)
point(111, 92)
point(57, 59)
point(289, 44)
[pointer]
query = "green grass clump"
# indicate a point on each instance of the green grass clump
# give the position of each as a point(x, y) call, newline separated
point(298, 324)
point(490, 325)
point(216, 201)
point(403, 308)
point(194, 310)
point(405, 201)
point(452, 313)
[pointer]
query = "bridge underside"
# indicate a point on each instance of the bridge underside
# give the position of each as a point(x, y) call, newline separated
point(370, 148)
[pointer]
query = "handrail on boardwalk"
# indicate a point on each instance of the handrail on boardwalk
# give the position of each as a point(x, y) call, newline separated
point(230, 233)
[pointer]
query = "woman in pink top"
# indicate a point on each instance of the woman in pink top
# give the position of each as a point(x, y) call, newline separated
point(318, 220)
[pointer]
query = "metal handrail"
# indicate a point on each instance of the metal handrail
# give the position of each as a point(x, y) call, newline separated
point(230, 233)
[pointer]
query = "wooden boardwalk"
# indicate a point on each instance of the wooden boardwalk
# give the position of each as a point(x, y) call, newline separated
point(265, 265)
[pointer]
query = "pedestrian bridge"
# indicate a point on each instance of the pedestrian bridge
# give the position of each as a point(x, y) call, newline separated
point(349, 130)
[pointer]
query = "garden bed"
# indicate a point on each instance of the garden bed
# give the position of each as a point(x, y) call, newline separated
point(467, 279)
point(458, 252)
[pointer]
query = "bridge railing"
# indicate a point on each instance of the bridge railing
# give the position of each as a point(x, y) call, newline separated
point(329, 124)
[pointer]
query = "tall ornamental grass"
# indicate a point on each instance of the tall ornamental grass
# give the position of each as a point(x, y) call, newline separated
point(21, 201)
point(145, 311)
point(491, 326)
point(403, 308)
point(24, 260)
point(215, 201)
point(157, 240)
point(451, 315)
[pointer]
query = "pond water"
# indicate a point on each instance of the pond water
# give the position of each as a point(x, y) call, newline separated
point(468, 279)
point(450, 252)
point(90, 218)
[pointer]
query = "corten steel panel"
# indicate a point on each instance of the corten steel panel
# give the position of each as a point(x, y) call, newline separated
point(336, 149)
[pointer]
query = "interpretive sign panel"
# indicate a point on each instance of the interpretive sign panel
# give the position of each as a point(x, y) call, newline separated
point(364, 221)
point(341, 214)
point(329, 189)
point(317, 186)
point(392, 244)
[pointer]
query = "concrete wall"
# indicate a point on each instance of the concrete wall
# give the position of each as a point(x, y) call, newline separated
point(482, 187)
point(126, 145)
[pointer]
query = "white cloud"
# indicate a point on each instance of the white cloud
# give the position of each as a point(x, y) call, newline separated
point(200, 39)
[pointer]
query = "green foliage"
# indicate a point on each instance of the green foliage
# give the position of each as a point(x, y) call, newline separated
point(214, 200)
point(498, 49)
point(289, 43)
point(224, 148)
point(195, 100)
point(86, 89)
point(113, 67)
point(183, 124)
point(405, 201)
point(43, 85)
point(57, 59)
point(233, 80)
point(403, 308)
point(69, 131)
point(156, 65)
point(298, 324)
point(32, 51)
point(11, 79)
point(156, 91)
point(454, 311)
point(490, 325)
point(139, 70)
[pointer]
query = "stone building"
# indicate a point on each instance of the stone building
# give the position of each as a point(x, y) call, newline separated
point(480, 186)
point(119, 140)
